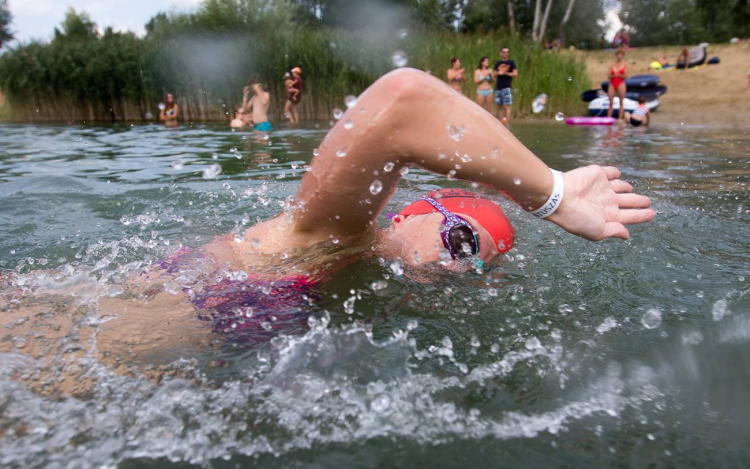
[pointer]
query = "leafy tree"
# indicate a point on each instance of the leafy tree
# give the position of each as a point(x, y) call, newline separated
point(5, 19)
point(76, 27)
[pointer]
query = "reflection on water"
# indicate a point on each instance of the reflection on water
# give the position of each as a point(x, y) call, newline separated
point(566, 353)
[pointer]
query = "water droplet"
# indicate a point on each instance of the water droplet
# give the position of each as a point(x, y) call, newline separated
point(396, 267)
point(651, 319)
point(178, 164)
point(380, 404)
point(337, 113)
point(399, 59)
point(539, 103)
point(388, 167)
point(238, 155)
point(532, 343)
point(570, 78)
point(608, 324)
point(316, 152)
point(517, 181)
point(376, 187)
point(559, 117)
point(465, 158)
point(215, 156)
point(232, 150)
point(348, 124)
point(341, 153)
point(378, 285)
point(456, 133)
point(719, 310)
point(402, 33)
point(211, 171)
point(404, 171)
point(350, 101)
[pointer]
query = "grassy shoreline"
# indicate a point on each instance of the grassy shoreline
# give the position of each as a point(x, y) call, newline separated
point(119, 78)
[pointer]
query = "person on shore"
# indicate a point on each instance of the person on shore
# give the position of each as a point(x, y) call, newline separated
point(456, 74)
point(505, 71)
point(294, 104)
point(292, 96)
point(683, 60)
point(617, 75)
point(483, 78)
point(641, 116)
point(256, 107)
point(170, 112)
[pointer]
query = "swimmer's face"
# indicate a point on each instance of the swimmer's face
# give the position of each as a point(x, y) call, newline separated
point(419, 238)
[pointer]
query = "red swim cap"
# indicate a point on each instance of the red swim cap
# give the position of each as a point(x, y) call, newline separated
point(462, 202)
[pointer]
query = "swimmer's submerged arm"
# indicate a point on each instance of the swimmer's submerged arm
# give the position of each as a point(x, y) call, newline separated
point(409, 117)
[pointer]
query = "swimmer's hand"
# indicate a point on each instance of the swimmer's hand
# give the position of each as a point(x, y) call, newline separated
point(597, 204)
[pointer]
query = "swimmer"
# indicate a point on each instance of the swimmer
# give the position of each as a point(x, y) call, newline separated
point(333, 220)
point(256, 108)
point(171, 111)
point(456, 74)
point(483, 78)
point(617, 75)
point(505, 71)
point(641, 115)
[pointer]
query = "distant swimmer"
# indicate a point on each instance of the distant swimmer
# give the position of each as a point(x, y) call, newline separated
point(293, 96)
point(641, 116)
point(456, 74)
point(483, 77)
point(617, 75)
point(170, 112)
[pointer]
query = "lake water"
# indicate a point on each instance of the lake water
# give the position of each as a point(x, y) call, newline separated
point(565, 354)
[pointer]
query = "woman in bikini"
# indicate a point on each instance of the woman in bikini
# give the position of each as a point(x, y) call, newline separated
point(456, 74)
point(253, 284)
point(617, 75)
point(483, 77)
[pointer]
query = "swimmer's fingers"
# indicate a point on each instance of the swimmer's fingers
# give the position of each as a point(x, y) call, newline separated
point(614, 229)
point(633, 216)
point(620, 186)
point(633, 201)
point(612, 172)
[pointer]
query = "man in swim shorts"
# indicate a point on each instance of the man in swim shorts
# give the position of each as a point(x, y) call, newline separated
point(505, 70)
point(257, 106)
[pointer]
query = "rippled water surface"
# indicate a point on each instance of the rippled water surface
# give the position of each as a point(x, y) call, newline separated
point(564, 354)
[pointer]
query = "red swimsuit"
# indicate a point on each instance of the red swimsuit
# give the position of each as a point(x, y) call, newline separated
point(617, 81)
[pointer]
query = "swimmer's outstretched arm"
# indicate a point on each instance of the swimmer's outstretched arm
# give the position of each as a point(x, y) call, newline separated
point(409, 117)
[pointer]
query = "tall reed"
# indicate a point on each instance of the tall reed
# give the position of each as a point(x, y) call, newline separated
point(122, 77)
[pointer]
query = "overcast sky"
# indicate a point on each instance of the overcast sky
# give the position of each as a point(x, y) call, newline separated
point(36, 19)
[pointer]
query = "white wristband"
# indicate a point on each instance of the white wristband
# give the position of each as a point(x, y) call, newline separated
point(555, 199)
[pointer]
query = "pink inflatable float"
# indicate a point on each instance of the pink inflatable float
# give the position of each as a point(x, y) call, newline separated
point(590, 120)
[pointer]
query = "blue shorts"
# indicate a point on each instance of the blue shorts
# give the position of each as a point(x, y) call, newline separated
point(263, 126)
point(504, 97)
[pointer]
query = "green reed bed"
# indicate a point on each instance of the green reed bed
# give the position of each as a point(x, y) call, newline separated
point(121, 77)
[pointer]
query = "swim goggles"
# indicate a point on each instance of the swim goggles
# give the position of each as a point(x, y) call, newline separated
point(456, 234)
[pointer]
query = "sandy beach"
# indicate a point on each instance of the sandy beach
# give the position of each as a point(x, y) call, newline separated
point(714, 95)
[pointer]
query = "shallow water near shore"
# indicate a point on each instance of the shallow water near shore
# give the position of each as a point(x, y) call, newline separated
point(563, 354)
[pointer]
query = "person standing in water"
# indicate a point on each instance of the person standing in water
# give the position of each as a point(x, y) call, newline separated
point(292, 96)
point(483, 78)
point(170, 112)
point(293, 104)
point(257, 106)
point(617, 74)
point(456, 74)
point(505, 71)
